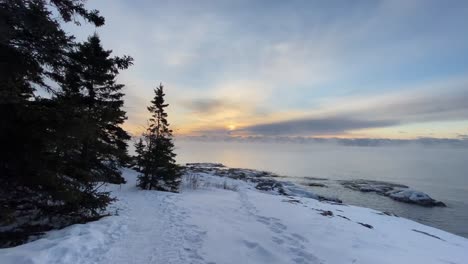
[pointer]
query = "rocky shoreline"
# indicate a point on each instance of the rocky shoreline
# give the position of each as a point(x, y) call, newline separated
point(271, 182)
point(262, 180)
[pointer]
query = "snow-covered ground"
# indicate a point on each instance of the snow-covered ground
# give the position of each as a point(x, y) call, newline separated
point(225, 220)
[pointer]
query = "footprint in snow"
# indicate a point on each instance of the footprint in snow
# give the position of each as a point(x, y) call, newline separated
point(272, 223)
point(299, 237)
point(264, 220)
point(278, 227)
point(250, 244)
point(303, 257)
point(266, 255)
point(277, 240)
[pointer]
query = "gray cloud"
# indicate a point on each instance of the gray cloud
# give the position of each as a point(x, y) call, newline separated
point(427, 106)
point(213, 132)
point(205, 105)
point(431, 106)
point(363, 142)
point(312, 45)
point(315, 126)
point(446, 102)
point(214, 105)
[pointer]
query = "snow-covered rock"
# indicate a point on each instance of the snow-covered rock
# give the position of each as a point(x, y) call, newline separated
point(371, 185)
point(412, 196)
point(205, 165)
point(264, 180)
point(314, 184)
point(398, 192)
point(225, 220)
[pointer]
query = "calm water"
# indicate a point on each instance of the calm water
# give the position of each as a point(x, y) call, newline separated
point(440, 171)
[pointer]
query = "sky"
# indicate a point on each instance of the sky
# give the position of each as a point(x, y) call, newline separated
point(347, 69)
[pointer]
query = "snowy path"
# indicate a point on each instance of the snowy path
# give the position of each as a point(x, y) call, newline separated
point(144, 228)
point(154, 230)
point(213, 225)
point(280, 236)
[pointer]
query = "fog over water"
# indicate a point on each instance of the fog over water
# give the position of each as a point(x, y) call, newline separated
point(440, 171)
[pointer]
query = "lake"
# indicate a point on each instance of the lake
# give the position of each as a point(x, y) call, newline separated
point(440, 171)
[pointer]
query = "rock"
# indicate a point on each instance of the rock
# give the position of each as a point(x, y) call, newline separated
point(316, 179)
point(327, 213)
point(371, 186)
point(344, 217)
point(415, 197)
point(314, 184)
point(205, 164)
point(263, 180)
point(387, 213)
point(236, 174)
point(366, 225)
point(333, 200)
point(397, 192)
point(427, 234)
point(293, 201)
point(268, 185)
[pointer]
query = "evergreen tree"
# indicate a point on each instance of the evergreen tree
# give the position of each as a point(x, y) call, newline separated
point(55, 149)
point(91, 145)
point(139, 157)
point(32, 44)
point(95, 102)
point(33, 48)
point(159, 170)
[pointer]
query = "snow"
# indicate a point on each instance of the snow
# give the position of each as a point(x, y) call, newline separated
point(412, 196)
point(225, 220)
point(395, 191)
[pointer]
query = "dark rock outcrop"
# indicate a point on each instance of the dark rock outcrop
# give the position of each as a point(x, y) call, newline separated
point(397, 192)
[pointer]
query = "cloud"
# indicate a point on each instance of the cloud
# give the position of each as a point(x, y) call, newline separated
point(362, 142)
point(249, 67)
point(430, 102)
point(433, 102)
point(222, 111)
point(207, 105)
point(315, 126)
point(213, 133)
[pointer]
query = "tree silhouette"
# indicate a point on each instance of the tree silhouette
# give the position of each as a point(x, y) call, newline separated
point(159, 170)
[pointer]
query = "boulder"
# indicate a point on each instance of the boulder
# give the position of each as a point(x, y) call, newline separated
point(397, 192)
point(415, 197)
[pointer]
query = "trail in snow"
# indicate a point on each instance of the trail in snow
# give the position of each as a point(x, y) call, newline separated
point(154, 230)
point(243, 225)
point(292, 241)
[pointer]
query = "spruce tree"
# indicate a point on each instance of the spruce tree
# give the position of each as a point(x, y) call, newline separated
point(96, 147)
point(33, 48)
point(139, 157)
point(159, 170)
point(55, 148)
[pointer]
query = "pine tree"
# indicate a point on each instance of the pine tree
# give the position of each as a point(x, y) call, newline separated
point(32, 44)
point(94, 101)
point(33, 48)
point(159, 170)
point(89, 144)
point(139, 157)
